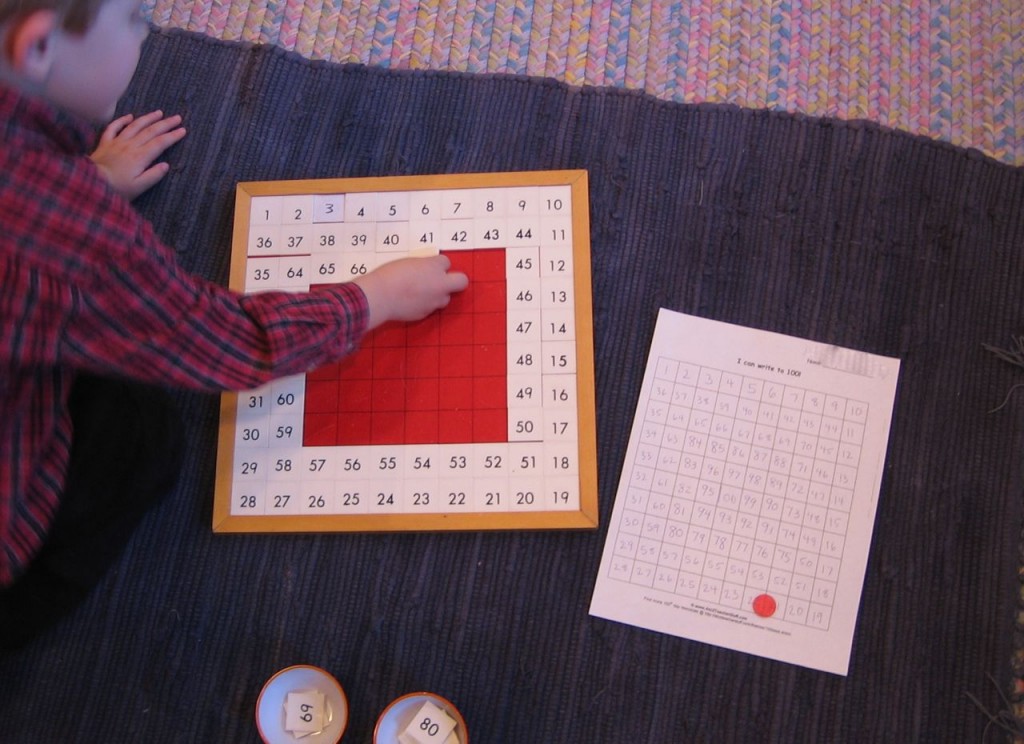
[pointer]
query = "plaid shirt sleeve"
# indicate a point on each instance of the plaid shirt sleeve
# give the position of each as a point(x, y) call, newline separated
point(125, 307)
point(86, 285)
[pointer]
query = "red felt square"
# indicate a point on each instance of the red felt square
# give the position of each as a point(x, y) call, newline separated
point(490, 392)
point(388, 363)
point(355, 395)
point(422, 394)
point(321, 396)
point(319, 429)
point(489, 360)
point(489, 297)
point(489, 265)
point(390, 334)
point(422, 362)
point(455, 395)
point(388, 395)
point(357, 365)
point(454, 427)
point(387, 427)
point(489, 328)
point(424, 332)
point(353, 428)
point(456, 329)
point(463, 261)
point(490, 425)
point(456, 361)
point(326, 372)
point(459, 303)
point(421, 427)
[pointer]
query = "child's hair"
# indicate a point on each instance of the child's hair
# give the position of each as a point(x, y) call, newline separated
point(76, 15)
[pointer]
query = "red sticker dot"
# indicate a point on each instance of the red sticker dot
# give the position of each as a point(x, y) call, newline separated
point(764, 605)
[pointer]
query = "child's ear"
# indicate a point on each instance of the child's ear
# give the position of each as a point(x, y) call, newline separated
point(28, 45)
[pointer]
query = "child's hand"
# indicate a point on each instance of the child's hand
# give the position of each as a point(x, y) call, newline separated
point(410, 288)
point(128, 147)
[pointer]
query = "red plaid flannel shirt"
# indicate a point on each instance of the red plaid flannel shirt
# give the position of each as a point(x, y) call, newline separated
point(86, 285)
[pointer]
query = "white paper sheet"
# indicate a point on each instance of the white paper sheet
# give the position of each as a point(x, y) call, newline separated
point(747, 499)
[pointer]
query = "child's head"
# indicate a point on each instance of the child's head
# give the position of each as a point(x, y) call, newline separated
point(79, 54)
point(75, 15)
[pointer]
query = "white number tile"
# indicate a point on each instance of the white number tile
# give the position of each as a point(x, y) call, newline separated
point(561, 459)
point(455, 235)
point(248, 498)
point(523, 293)
point(557, 262)
point(559, 392)
point(352, 497)
point(490, 232)
point(491, 494)
point(525, 425)
point(424, 205)
point(296, 209)
point(556, 231)
point(524, 391)
point(285, 464)
point(293, 272)
point(421, 461)
point(261, 274)
point(456, 496)
point(524, 326)
point(423, 495)
point(252, 434)
point(285, 430)
point(560, 425)
point(283, 498)
point(490, 202)
point(556, 292)
point(523, 200)
point(359, 236)
point(558, 357)
point(526, 494)
point(295, 239)
point(559, 324)
point(327, 238)
point(392, 238)
point(424, 237)
point(562, 493)
point(328, 207)
point(319, 464)
point(524, 358)
point(522, 262)
point(524, 233)
point(393, 206)
point(264, 240)
point(286, 393)
point(361, 207)
point(251, 465)
point(456, 204)
point(317, 498)
point(265, 210)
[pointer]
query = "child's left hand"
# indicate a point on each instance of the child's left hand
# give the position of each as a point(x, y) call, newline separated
point(128, 147)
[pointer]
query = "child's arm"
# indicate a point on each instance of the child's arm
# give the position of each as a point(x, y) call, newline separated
point(128, 147)
point(409, 288)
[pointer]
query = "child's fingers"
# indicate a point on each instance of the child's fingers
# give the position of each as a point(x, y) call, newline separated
point(115, 127)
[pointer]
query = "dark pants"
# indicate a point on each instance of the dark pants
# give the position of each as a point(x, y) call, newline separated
point(125, 456)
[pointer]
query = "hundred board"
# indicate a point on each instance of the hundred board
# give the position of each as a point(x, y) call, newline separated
point(480, 416)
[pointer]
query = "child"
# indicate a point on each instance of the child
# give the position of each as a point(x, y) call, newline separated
point(96, 317)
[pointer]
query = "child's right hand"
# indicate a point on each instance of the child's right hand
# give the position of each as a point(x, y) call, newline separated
point(410, 288)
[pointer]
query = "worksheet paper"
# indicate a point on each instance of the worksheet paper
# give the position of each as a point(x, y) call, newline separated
point(747, 499)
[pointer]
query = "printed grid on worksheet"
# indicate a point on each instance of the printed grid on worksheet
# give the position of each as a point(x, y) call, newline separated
point(472, 409)
point(740, 492)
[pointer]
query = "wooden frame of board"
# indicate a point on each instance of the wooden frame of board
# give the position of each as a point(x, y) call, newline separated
point(250, 248)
